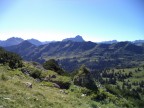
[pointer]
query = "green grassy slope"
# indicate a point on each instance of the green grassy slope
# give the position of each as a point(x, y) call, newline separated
point(15, 94)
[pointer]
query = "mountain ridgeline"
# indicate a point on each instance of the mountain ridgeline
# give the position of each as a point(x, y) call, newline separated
point(71, 55)
point(15, 41)
point(11, 41)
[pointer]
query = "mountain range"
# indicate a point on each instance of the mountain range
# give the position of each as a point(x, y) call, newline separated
point(15, 41)
point(71, 55)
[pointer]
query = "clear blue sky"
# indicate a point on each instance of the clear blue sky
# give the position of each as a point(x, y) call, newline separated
point(95, 20)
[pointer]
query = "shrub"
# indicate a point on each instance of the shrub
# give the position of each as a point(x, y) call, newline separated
point(36, 74)
point(53, 65)
point(12, 59)
point(100, 97)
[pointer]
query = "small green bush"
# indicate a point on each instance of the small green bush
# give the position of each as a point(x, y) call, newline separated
point(36, 74)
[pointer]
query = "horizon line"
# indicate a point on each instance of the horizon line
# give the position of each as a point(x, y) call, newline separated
point(72, 37)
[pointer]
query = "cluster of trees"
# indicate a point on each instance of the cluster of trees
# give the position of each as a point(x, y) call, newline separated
point(138, 83)
point(123, 92)
point(119, 82)
point(111, 76)
point(12, 59)
point(53, 65)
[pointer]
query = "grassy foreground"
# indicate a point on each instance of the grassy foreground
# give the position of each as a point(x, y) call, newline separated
point(15, 94)
point(123, 92)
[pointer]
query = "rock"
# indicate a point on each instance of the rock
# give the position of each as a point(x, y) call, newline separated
point(83, 95)
point(28, 84)
point(47, 78)
point(63, 92)
point(25, 71)
point(56, 85)
point(37, 80)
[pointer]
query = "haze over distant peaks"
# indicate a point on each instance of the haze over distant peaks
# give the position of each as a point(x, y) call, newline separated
point(15, 41)
point(109, 42)
point(11, 41)
point(78, 38)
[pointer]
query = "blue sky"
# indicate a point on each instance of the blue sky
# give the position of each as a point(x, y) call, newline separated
point(95, 20)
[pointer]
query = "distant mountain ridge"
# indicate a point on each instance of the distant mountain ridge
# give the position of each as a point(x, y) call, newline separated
point(15, 41)
point(139, 41)
point(78, 38)
point(109, 42)
point(11, 41)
